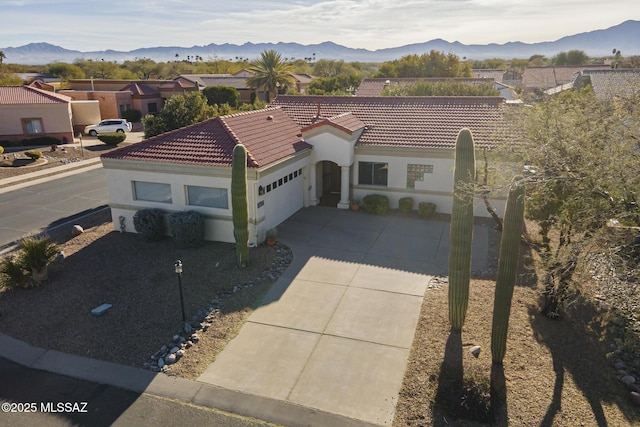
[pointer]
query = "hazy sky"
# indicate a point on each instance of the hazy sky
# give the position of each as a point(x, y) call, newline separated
point(89, 25)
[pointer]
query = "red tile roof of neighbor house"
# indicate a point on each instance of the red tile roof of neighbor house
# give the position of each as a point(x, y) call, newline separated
point(269, 135)
point(406, 122)
point(548, 77)
point(345, 122)
point(139, 89)
point(11, 95)
point(375, 86)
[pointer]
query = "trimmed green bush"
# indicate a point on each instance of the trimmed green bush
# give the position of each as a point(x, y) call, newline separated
point(112, 138)
point(427, 209)
point(376, 204)
point(40, 140)
point(132, 116)
point(187, 228)
point(405, 204)
point(149, 223)
point(33, 154)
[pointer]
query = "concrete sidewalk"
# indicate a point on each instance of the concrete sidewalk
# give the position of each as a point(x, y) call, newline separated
point(336, 329)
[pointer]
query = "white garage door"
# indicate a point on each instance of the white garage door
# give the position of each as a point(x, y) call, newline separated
point(283, 198)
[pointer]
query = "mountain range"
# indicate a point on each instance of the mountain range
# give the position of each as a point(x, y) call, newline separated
point(598, 43)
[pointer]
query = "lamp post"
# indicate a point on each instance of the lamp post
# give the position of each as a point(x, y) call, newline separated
point(81, 147)
point(178, 267)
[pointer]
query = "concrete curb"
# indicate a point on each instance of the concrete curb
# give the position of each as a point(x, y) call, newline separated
point(194, 392)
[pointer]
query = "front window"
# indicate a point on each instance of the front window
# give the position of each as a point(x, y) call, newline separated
point(210, 197)
point(417, 173)
point(370, 173)
point(152, 192)
point(32, 126)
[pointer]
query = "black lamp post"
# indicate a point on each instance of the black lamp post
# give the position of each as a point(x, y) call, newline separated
point(178, 267)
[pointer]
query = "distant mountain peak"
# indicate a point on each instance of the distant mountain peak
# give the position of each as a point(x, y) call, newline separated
point(597, 43)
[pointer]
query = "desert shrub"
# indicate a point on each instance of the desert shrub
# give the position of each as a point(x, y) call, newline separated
point(376, 203)
point(427, 209)
point(37, 252)
point(132, 116)
point(112, 138)
point(405, 204)
point(187, 228)
point(149, 223)
point(13, 273)
point(1, 149)
point(33, 154)
point(40, 140)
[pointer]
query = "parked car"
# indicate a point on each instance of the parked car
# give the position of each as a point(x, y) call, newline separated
point(109, 125)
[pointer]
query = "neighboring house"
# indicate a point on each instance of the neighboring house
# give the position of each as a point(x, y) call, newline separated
point(375, 86)
point(302, 82)
point(246, 94)
point(543, 78)
point(489, 73)
point(300, 149)
point(117, 96)
point(28, 112)
point(609, 84)
point(190, 169)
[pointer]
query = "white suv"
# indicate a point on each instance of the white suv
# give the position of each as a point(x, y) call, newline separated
point(109, 125)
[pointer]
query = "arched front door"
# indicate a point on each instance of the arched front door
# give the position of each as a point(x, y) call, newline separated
point(329, 183)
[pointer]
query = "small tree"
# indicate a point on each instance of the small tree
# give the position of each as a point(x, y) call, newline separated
point(179, 111)
point(219, 95)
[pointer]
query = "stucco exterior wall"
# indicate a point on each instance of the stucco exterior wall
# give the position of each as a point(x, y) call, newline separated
point(436, 187)
point(218, 222)
point(56, 120)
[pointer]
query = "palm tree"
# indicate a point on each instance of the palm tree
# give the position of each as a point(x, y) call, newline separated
point(270, 72)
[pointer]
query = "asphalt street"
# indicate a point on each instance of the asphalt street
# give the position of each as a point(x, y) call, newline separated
point(30, 397)
point(32, 209)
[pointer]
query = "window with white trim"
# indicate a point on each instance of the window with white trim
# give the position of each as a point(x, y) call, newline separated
point(210, 197)
point(32, 126)
point(370, 173)
point(152, 192)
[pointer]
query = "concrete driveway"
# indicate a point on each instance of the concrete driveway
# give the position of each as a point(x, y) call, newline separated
point(335, 331)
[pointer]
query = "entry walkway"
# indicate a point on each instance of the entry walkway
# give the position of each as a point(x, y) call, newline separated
point(335, 331)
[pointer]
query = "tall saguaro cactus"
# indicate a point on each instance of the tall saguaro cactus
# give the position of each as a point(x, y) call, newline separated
point(464, 174)
point(507, 269)
point(239, 204)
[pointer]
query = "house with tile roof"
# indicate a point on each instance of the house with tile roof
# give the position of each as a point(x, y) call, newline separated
point(116, 96)
point(375, 86)
point(544, 78)
point(609, 84)
point(301, 150)
point(27, 112)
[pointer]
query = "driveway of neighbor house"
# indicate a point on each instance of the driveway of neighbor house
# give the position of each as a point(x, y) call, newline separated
point(334, 333)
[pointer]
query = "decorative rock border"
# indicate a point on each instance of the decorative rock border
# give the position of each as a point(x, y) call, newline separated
point(187, 337)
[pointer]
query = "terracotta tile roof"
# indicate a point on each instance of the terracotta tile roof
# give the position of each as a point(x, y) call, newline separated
point(176, 84)
point(495, 74)
point(548, 77)
point(139, 89)
point(375, 86)
point(269, 135)
point(608, 84)
point(11, 95)
point(405, 122)
point(206, 80)
point(346, 122)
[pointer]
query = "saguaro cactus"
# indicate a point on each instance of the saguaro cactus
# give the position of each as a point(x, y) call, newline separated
point(239, 204)
point(507, 269)
point(461, 228)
